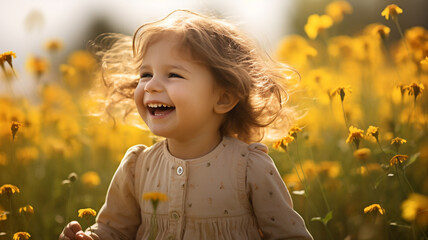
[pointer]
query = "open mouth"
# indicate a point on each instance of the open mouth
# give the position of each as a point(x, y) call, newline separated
point(157, 109)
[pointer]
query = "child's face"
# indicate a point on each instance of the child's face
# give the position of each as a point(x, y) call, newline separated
point(176, 96)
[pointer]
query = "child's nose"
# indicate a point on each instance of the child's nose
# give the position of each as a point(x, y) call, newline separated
point(153, 85)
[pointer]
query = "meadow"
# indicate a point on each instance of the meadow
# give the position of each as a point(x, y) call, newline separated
point(355, 162)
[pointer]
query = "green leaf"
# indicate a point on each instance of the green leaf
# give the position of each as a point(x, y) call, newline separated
point(412, 159)
point(324, 220)
point(328, 217)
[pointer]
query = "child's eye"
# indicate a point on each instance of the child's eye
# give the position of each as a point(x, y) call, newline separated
point(174, 75)
point(146, 75)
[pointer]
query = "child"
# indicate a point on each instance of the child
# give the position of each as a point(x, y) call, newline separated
point(205, 88)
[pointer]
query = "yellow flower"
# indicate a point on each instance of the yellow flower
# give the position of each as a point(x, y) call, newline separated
point(295, 50)
point(398, 141)
point(362, 154)
point(415, 208)
point(9, 189)
point(424, 61)
point(21, 236)
point(67, 70)
point(414, 89)
point(7, 57)
point(91, 179)
point(398, 159)
point(37, 65)
point(26, 209)
point(341, 91)
point(374, 208)
point(155, 198)
point(391, 10)
point(3, 215)
point(373, 131)
point(283, 142)
point(380, 30)
point(82, 61)
point(355, 135)
point(53, 45)
point(14, 128)
point(86, 212)
point(317, 24)
point(337, 9)
point(293, 131)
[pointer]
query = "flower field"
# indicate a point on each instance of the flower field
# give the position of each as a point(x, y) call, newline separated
point(355, 163)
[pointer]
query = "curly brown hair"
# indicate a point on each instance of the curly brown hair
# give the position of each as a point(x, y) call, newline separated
point(235, 61)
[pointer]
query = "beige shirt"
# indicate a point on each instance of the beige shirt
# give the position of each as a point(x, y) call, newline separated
point(233, 192)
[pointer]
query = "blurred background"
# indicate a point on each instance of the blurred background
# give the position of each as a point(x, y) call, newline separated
point(356, 164)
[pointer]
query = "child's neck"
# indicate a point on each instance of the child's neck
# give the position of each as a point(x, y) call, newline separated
point(193, 148)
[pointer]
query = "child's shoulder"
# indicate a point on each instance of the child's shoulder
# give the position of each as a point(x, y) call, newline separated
point(256, 148)
point(134, 152)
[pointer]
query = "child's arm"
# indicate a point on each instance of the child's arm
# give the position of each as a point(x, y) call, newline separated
point(270, 198)
point(119, 217)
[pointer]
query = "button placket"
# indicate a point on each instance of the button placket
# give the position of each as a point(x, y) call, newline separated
point(177, 186)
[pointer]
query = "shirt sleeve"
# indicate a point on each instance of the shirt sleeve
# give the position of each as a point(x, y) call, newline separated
point(271, 201)
point(119, 217)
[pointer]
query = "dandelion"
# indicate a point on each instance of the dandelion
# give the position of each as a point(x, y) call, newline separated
point(26, 210)
point(91, 179)
point(8, 189)
point(21, 236)
point(397, 142)
point(37, 65)
point(283, 142)
point(3, 215)
point(296, 49)
point(82, 61)
point(391, 10)
point(293, 131)
point(381, 30)
point(337, 9)
point(415, 209)
point(362, 154)
point(154, 198)
point(398, 159)
point(317, 24)
point(374, 208)
point(6, 57)
point(341, 91)
point(14, 128)
point(86, 212)
point(355, 135)
point(373, 131)
point(415, 89)
point(67, 70)
point(53, 45)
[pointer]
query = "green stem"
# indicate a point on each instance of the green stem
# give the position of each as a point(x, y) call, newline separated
point(380, 146)
point(402, 36)
point(344, 117)
point(399, 180)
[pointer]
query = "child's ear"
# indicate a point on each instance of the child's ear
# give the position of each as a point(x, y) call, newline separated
point(226, 102)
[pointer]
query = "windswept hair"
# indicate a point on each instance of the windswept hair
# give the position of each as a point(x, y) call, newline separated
point(236, 62)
